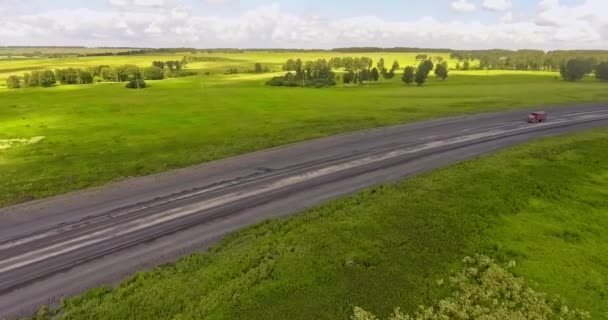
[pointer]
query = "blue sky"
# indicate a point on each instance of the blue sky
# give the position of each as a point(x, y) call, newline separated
point(542, 24)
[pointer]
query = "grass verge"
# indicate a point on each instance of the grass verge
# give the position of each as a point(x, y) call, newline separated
point(544, 204)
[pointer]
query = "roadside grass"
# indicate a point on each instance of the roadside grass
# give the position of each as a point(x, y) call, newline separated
point(542, 204)
point(102, 132)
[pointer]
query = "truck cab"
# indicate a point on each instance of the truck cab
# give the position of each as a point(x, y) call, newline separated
point(537, 117)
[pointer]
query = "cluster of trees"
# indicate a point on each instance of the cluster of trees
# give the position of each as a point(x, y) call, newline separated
point(305, 74)
point(257, 68)
point(122, 73)
point(170, 65)
point(528, 59)
point(73, 76)
point(44, 78)
point(419, 75)
point(358, 70)
point(577, 69)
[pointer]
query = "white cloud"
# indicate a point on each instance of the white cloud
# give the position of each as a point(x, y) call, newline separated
point(119, 3)
point(463, 6)
point(554, 26)
point(497, 5)
point(149, 3)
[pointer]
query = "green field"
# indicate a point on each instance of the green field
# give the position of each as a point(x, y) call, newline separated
point(544, 205)
point(65, 138)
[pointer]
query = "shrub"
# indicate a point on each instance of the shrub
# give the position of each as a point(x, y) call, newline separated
point(181, 74)
point(85, 77)
point(485, 290)
point(47, 78)
point(153, 73)
point(408, 75)
point(13, 82)
point(136, 84)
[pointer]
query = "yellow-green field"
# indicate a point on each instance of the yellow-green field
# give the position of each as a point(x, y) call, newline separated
point(238, 60)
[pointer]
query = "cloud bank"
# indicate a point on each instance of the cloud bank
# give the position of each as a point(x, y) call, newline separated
point(166, 23)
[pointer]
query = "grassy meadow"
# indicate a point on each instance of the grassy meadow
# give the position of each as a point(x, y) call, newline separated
point(543, 205)
point(64, 138)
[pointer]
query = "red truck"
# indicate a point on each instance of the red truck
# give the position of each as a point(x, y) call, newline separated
point(538, 116)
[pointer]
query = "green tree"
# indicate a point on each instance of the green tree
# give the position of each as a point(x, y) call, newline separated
point(348, 77)
point(108, 74)
point(441, 70)
point(574, 70)
point(47, 78)
point(375, 75)
point(409, 75)
point(13, 82)
point(85, 77)
point(601, 71)
point(466, 65)
point(258, 68)
point(395, 66)
point(33, 79)
point(380, 64)
point(153, 73)
point(422, 73)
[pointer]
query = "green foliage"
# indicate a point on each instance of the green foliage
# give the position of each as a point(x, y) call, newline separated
point(395, 66)
point(136, 84)
point(73, 76)
point(422, 73)
point(575, 70)
point(485, 290)
point(374, 75)
point(13, 82)
point(307, 74)
point(441, 71)
point(601, 71)
point(388, 246)
point(258, 68)
point(153, 73)
point(46, 78)
point(409, 74)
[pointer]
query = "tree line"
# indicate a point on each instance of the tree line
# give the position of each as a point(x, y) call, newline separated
point(577, 69)
point(133, 74)
point(357, 71)
point(305, 74)
point(533, 60)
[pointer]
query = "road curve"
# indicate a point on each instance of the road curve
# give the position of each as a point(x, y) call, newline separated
point(61, 246)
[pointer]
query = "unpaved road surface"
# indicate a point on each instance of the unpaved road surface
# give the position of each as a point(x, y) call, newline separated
point(61, 246)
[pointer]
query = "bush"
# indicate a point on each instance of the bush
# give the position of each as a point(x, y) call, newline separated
point(485, 290)
point(409, 74)
point(136, 84)
point(85, 77)
point(180, 74)
point(47, 78)
point(13, 82)
point(153, 73)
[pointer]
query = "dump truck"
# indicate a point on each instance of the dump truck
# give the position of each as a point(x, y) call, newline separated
point(537, 117)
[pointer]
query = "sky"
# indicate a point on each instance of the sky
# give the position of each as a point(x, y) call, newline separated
point(323, 24)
